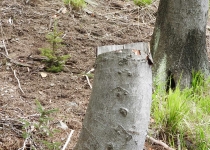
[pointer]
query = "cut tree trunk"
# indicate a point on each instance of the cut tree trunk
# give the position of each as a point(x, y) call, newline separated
point(119, 110)
point(178, 43)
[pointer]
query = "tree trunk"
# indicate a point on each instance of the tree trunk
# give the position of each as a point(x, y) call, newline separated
point(178, 43)
point(119, 110)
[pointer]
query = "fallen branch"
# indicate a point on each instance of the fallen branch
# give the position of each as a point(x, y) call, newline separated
point(16, 62)
point(14, 71)
point(68, 140)
point(159, 142)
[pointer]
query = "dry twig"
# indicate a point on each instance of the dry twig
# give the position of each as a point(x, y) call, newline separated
point(2, 34)
point(159, 142)
point(88, 78)
point(88, 81)
point(5, 47)
point(14, 71)
point(68, 140)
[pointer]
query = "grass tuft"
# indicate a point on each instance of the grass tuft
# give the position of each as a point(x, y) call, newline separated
point(75, 4)
point(142, 2)
point(185, 113)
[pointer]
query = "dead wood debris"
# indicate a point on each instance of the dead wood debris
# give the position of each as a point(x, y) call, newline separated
point(68, 140)
point(87, 78)
point(16, 62)
point(159, 142)
point(14, 71)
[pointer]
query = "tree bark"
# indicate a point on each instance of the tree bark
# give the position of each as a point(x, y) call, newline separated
point(119, 109)
point(178, 43)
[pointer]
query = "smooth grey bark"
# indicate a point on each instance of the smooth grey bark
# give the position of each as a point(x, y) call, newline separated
point(119, 109)
point(178, 43)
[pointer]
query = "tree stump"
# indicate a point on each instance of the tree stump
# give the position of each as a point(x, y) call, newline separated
point(119, 109)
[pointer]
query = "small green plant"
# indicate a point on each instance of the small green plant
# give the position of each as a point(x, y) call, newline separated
point(197, 81)
point(75, 4)
point(142, 2)
point(38, 131)
point(183, 112)
point(54, 62)
point(171, 110)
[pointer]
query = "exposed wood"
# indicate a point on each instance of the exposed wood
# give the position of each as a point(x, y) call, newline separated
point(108, 48)
point(144, 48)
point(159, 142)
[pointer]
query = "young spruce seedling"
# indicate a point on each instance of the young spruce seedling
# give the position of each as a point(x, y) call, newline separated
point(54, 62)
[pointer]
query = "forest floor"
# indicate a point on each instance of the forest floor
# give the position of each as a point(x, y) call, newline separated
point(23, 28)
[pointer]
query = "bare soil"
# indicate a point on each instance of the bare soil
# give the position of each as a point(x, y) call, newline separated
point(23, 28)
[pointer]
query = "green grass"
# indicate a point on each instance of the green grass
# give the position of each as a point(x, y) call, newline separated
point(75, 4)
point(142, 2)
point(185, 113)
